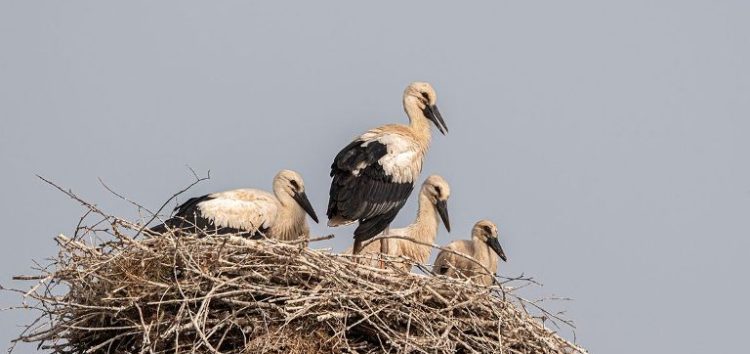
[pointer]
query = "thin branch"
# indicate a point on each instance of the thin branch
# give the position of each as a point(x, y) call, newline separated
point(155, 215)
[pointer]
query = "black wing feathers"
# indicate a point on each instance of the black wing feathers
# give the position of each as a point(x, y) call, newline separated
point(370, 197)
point(187, 218)
point(350, 157)
point(190, 206)
point(370, 227)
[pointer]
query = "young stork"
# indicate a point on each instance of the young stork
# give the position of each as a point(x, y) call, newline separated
point(433, 204)
point(250, 213)
point(374, 175)
point(483, 247)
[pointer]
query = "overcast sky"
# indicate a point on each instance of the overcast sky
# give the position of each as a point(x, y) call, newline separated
point(608, 140)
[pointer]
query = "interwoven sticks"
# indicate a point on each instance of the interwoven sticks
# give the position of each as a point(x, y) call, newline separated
point(164, 294)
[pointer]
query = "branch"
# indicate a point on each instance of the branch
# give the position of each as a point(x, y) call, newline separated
point(155, 215)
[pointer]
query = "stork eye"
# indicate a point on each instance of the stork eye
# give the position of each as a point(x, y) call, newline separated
point(294, 184)
point(426, 96)
point(438, 191)
point(487, 229)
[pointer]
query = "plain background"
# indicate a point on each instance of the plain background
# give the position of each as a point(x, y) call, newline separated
point(608, 139)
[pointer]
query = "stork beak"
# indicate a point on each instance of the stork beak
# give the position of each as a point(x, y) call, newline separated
point(301, 199)
point(442, 208)
point(434, 115)
point(495, 245)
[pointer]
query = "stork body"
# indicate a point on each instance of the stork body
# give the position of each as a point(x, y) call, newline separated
point(374, 175)
point(433, 206)
point(248, 212)
point(483, 247)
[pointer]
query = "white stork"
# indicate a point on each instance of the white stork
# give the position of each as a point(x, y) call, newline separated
point(248, 212)
point(484, 247)
point(374, 175)
point(433, 206)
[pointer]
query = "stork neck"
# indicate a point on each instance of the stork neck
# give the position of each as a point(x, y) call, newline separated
point(489, 258)
point(482, 250)
point(424, 229)
point(417, 120)
point(427, 222)
point(286, 203)
point(290, 211)
point(283, 197)
point(290, 220)
point(493, 259)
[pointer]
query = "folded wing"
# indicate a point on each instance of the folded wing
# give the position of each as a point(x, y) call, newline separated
point(248, 213)
point(372, 178)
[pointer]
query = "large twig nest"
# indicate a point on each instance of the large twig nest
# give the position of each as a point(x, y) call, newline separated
point(115, 290)
point(166, 294)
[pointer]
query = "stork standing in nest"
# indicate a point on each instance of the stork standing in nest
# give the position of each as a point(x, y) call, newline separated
point(374, 175)
point(250, 213)
point(484, 247)
point(433, 206)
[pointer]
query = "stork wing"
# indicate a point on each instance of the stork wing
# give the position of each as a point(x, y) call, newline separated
point(241, 211)
point(372, 179)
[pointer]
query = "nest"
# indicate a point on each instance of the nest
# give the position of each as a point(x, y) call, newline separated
point(192, 294)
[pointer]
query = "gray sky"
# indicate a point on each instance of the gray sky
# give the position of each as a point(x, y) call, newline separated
point(608, 140)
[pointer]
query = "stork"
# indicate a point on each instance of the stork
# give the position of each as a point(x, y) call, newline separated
point(484, 247)
point(433, 204)
point(374, 175)
point(250, 213)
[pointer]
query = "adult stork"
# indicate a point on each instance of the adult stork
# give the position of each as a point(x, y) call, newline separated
point(433, 207)
point(374, 175)
point(484, 247)
point(250, 213)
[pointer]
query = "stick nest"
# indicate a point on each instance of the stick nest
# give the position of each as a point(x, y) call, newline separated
point(224, 294)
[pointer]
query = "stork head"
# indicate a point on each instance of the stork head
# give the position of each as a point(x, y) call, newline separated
point(423, 96)
point(288, 182)
point(436, 188)
point(486, 231)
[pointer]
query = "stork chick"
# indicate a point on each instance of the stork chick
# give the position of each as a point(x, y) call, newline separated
point(433, 206)
point(374, 175)
point(248, 212)
point(484, 247)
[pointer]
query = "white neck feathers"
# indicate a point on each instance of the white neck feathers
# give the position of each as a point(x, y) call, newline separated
point(424, 229)
point(417, 120)
point(290, 221)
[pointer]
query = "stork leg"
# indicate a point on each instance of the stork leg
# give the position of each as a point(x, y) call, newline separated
point(356, 249)
point(384, 249)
